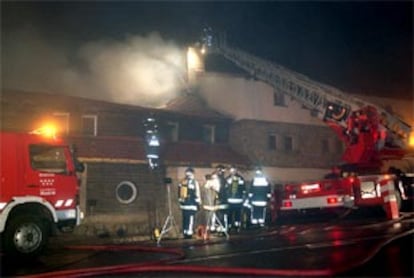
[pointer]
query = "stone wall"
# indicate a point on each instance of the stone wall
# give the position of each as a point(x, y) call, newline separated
point(109, 202)
point(313, 146)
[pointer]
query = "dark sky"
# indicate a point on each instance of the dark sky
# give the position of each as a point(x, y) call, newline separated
point(362, 46)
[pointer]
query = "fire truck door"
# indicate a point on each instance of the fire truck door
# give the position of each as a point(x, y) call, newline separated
point(50, 173)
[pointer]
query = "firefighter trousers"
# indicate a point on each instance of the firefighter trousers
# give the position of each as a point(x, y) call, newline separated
point(234, 213)
point(188, 222)
point(258, 215)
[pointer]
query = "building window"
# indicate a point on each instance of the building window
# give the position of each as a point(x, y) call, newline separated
point(288, 143)
point(126, 192)
point(278, 99)
point(62, 121)
point(90, 125)
point(271, 142)
point(172, 131)
point(209, 133)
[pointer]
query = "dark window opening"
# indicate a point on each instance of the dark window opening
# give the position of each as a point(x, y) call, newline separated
point(288, 143)
point(209, 134)
point(278, 99)
point(62, 121)
point(271, 142)
point(172, 131)
point(89, 125)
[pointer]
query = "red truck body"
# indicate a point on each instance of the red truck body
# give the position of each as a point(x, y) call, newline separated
point(39, 191)
point(342, 192)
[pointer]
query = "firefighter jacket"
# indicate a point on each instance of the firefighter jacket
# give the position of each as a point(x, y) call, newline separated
point(236, 189)
point(217, 193)
point(189, 194)
point(259, 191)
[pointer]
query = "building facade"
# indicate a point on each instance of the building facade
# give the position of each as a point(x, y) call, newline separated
point(119, 193)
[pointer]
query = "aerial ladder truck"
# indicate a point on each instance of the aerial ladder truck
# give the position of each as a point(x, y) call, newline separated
point(370, 133)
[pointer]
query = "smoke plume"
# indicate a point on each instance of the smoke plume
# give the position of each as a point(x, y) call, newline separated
point(141, 70)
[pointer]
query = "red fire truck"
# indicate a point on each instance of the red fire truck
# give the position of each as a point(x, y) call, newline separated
point(39, 191)
point(370, 134)
point(335, 193)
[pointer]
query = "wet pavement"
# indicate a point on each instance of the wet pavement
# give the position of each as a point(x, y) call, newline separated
point(358, 245)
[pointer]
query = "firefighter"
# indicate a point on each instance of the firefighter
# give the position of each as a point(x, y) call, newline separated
point(221, 202)
point(211, 206)
point(259, 196)
point(398, 183)
point(190, 201)
point(235, 197)
point(353, 126)
point(217, 186)
point(152, 142)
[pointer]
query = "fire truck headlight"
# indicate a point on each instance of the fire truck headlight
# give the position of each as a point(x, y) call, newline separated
point(67, 214)
point(71, 213)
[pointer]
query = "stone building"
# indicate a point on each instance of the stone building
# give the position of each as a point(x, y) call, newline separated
point(119, 193)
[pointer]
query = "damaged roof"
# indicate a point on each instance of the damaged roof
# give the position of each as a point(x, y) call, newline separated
point(192, 104)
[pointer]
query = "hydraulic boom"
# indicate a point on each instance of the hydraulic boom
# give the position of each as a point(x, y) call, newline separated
point(368, 130)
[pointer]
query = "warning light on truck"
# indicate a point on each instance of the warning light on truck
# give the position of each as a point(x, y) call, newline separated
point(47, 130)
point(411, 140)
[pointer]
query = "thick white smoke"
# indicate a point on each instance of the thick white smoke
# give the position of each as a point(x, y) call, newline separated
point(141, 70)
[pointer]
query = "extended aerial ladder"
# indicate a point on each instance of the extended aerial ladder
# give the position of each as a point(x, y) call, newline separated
point(369, 131)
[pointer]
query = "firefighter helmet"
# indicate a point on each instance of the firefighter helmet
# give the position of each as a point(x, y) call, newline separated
point(189, 171)
point(220, 168)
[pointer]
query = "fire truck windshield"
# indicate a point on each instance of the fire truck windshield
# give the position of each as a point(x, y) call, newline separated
point(48, 158)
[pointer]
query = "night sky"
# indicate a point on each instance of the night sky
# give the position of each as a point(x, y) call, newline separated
point(362, 47)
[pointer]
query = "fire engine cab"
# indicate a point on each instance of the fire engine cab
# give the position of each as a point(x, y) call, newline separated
point(39, 191)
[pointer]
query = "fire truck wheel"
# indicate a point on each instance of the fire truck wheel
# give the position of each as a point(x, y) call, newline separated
point(25, 236)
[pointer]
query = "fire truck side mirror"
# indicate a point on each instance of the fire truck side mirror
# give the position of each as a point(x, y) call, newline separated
point(79, 166)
